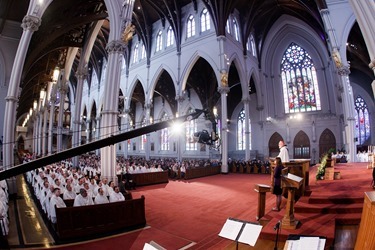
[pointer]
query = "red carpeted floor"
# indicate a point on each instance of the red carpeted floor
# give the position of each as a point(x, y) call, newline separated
point(190, 214)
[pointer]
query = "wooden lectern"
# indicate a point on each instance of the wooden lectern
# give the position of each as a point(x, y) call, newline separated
point(262, 190)
point(291, 182)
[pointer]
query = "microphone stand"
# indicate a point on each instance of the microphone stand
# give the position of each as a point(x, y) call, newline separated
point(277, 228)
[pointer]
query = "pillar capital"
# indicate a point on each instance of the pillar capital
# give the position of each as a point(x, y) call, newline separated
point(31, 23)
point(179, 98)
point(82, 73)
point(116, 46)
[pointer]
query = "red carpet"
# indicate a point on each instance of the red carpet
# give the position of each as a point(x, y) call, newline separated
point(192, 213)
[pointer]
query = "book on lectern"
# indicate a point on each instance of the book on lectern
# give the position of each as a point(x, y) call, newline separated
point(241, 231)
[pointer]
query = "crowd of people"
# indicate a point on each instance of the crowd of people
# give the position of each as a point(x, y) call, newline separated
point(4, 199)
point(56, 183)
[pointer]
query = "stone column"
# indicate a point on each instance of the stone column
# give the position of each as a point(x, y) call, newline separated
point(364, 13)
point(109, 125)
point(349, 113)
point(30, 24)
point(35, 134)
point(224, 133)
point(40, 123)
point(51, 121)
point(179, 146)
point(81, 75)
point(246, 103)
point(97, 133)
point(62, 87)
point(45, 131)
point(148, 107)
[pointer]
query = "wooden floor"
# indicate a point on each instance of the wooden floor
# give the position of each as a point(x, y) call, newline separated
point(27, 229)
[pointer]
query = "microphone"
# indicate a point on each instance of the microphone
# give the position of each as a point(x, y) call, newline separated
point(277, 226)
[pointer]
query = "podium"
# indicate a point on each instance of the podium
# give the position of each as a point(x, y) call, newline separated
point(291, 182)
point(261, 189)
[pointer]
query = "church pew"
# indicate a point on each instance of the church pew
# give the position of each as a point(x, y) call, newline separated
point(149, 178)
point(88, 221)
point(202, 171)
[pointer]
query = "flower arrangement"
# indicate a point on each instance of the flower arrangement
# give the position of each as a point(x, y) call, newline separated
point(322, 167)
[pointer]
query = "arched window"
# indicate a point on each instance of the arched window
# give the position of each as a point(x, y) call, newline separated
point(205, 21)
point(190, 31)
point(170, 36)
point(250, 45)
point(300, 82)
point(236, 30)
point(143, 55)
point(159, 41)
point(136, 50)
point(190, 129)
point(362, 120)
point(104, 71)
point(164, 134)
point(227, 26)
point(241, 131)
point(143, 137)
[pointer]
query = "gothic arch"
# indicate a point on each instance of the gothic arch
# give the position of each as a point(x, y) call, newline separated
point(327, 141)
point(273, 144)
point(301, 146)
point(190, 64)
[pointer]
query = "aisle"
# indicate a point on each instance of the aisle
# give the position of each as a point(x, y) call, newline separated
point(26, 228)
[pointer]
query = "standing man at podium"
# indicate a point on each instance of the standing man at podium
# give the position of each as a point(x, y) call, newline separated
point(284, 153)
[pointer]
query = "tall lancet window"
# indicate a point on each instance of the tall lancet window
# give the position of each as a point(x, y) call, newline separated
point(190, 129)
point(190, 31)
point(300, 82)
point(241, 131)
point(164, 134)
point(362, 120)
point(159, 41)
point(143, 137)
point(205, 20)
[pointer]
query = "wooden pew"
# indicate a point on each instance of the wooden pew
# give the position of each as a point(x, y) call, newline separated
point(202, 171)
point(90, 221)
point(143, 179)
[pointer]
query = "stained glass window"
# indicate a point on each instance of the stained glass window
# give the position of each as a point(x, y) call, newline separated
point(164, 135)
point(190, 31)
point(362, 120)
point(241, 131)
point(205, 20)
point(300, 82)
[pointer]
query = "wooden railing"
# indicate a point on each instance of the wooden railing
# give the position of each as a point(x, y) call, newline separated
point(88, 221)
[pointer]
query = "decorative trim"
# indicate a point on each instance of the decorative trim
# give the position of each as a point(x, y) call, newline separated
point(31, 23)
point(116, 46)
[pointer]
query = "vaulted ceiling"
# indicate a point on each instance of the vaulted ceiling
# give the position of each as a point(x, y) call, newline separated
point(68, 23)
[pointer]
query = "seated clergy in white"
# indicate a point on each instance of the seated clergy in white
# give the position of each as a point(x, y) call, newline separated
point(69, 194)
point(100, 198)
point(55, 201)
point(82, 199)
point(116, 195)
